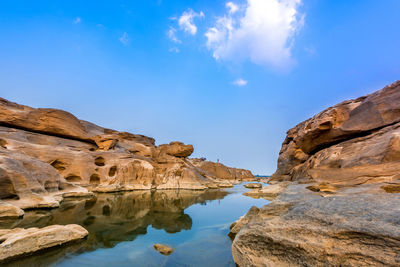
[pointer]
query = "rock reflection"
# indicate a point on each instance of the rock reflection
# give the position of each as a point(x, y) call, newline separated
point(113, 218)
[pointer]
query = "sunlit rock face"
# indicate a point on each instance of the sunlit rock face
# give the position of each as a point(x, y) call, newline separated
point(48, 153)
point(115, 217)
point(213, 169)
point(336, 191)
point(354, 142)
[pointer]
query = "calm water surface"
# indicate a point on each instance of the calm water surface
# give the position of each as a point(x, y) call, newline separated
point(124, 227)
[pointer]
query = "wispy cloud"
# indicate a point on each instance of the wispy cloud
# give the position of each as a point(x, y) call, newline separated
point(77, 20)
point(174, 50)
point(232, 7)
point(261, 31)
point(240, 82)
point(124, 39)
point(186, 21)
point(171, 33)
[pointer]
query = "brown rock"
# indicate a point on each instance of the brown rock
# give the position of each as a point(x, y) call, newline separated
point(43, 120)
point(343, 145)
point(346, 213)
point(244, 220)
point(176, 149)
point(163, 249)
point(47, 154)
point(268, 192)
point(10, 211)
point(253, 185)
point(220, 171)
point(18, 241)
point(301, 228)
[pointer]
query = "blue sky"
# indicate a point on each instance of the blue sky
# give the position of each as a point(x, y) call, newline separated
point(229, 77)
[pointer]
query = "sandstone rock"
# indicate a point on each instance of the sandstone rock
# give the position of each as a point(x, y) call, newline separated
point(345, 144)
point(105, 142)
point(176, 149)
point(48, 154)
point(268, 192)
point(10, 211)
point(244, 220)
point(253, 185)
point(346, 213)
point(220, 171)
point(225, 185)
point(18, 241)
point(301, 228)
point(163, 249)
point(43, 120)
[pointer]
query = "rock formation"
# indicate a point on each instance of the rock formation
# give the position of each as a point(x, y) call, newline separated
point(17, 242)
point(212, 169)
point(49, 154)
point(354, 142)
point(338, 202)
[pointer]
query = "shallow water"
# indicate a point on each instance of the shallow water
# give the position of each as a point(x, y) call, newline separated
point(124, 226)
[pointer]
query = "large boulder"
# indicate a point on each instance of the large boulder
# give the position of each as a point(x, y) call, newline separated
point(339, 201)
point(354, 138)
point(44, 120)
point(18, 242)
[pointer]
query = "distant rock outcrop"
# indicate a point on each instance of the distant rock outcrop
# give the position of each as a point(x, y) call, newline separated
point(221, 171)
point(336, 192)
point(48, 154)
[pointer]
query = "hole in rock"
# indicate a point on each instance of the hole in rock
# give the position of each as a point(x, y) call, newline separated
point(112, 171)
point(73, 178)
point(99, 161)
point(106, 210)
point(58, 165)
point(94, 178)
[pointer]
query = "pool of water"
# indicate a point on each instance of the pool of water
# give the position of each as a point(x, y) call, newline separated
point(123, 227)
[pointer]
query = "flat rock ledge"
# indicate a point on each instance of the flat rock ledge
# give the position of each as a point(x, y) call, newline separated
point(19, 242)
point(253, 185)
point(301, 227)
point(267, 192)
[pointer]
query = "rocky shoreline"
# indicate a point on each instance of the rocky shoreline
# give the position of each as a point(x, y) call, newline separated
point(335, 191)
point(47, 155)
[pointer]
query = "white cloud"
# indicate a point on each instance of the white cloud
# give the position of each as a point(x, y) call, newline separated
point(240, 82)
point(232, 8)
point(124, 39)
point(77, 20)
point(262, 32)
point(171, 33)
point(186, 21)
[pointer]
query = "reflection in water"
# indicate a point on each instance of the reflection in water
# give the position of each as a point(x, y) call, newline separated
point(113, 218)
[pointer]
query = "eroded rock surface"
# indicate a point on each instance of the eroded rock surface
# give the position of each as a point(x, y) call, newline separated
point(303, 228)
point(354, 142)
point(340, 203)
point(18, 242)
point(48, 154)
point(212, 169)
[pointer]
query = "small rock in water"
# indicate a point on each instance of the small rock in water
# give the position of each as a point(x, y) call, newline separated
point(163, 249)
point(253, 185)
